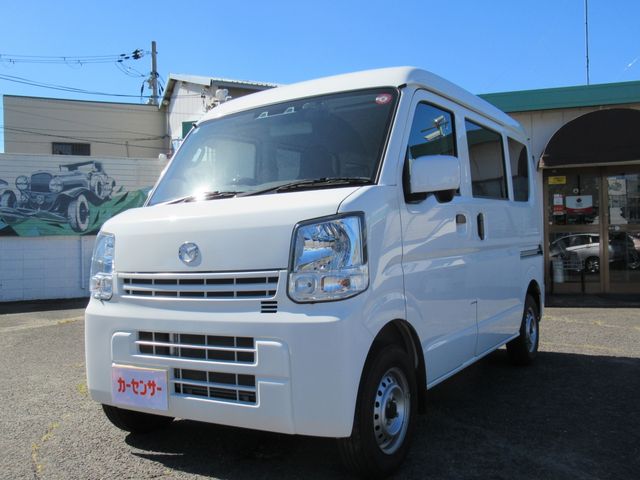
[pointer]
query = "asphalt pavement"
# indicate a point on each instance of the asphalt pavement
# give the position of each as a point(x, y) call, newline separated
point(574, 414)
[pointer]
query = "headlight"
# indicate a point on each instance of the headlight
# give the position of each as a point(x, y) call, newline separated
point(328, 259)
point(22, 182)
point(56, 185)
point(101, 276)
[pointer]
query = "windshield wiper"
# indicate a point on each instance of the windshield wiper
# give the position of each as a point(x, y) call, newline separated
point(203, 196)
point(311, 183)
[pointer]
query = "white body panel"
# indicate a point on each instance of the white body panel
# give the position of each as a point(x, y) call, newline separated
point(256, 225)
point(463, 296)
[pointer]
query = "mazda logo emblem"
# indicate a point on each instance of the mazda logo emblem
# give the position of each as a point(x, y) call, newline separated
point(189, 253)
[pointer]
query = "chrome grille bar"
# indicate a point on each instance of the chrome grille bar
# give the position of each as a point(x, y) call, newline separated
point(201, 285)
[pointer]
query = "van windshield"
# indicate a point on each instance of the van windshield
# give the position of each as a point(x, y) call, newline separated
point(317, 142)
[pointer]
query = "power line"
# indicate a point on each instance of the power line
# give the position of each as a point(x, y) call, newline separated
point(73, 59)
point(83, 139)
point(64, 88)
point(74, 122)
point(53, 86)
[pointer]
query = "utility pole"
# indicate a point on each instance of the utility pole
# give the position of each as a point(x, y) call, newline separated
point(586, 34)
point(153, 80)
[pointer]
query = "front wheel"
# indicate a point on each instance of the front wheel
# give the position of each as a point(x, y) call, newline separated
point(384, 416)
point(135, 422)
point(523, 349)
point(78, 213)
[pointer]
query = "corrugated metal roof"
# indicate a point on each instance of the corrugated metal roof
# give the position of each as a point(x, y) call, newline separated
point(566, 97)
point(216, 80)
point(208, 81)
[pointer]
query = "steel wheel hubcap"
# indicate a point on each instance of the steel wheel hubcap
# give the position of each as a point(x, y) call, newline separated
point(531, 330)
point(391, 410)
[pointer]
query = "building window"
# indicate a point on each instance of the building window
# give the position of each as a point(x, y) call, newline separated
point(186, 127)
point(519, 160)
point(486, 159)
point(71, 148)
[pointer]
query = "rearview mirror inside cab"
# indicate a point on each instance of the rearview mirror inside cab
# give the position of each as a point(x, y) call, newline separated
point(438, 174)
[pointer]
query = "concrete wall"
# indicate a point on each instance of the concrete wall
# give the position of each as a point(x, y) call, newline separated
point(32, 124)
point(44, 267)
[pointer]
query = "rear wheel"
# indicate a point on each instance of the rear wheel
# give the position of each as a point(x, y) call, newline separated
point(384, 416)
point(523, 349)
point(8, 199)
point(135, 422)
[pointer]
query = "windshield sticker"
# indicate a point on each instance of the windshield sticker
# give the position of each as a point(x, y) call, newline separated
point(383, 98)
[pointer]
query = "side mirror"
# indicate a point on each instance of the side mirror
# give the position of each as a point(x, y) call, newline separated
point(434, 173)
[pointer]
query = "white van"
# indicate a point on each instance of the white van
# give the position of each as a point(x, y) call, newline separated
point(314, 258)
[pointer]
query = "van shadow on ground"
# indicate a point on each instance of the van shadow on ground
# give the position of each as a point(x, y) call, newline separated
point(568, 416)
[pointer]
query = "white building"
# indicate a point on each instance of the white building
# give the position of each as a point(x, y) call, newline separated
point(188, 97)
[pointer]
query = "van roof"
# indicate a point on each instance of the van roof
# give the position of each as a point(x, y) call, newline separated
point(383, 77)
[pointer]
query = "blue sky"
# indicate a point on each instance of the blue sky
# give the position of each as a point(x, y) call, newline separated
point(484, 46)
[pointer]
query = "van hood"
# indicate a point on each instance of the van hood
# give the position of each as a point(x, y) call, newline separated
point(232, 234)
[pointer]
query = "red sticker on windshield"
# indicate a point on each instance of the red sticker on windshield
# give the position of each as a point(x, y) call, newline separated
point(383, 98)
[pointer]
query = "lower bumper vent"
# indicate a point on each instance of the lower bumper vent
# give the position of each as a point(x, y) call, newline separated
point(231, 387)
point(213, 348)
point(269, 307)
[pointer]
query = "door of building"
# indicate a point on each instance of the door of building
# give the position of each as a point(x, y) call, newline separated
point(623, 202)
point(593, 230)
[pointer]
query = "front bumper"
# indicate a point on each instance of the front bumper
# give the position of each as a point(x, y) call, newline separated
point(306, 364)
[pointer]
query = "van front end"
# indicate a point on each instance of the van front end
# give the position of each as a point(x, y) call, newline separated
point(261, 363)
point(238, 294)
point(246, 312)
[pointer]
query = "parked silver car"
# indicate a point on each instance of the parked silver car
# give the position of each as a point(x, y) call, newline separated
point(582, 251)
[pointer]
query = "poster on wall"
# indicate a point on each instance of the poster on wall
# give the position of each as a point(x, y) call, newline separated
point(579, 204)
point(73, 199)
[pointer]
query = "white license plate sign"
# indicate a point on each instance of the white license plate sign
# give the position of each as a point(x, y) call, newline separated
point(139, 387)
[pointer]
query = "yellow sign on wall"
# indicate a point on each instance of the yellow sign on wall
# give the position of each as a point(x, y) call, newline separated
point(558, 180)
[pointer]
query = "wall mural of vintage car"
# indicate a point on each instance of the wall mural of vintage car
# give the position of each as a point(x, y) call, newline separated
point(75, 200)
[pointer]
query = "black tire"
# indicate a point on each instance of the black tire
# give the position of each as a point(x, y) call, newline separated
point(388, 391)
point(78, 213)
point(523, 349)
point(592, 264)
point(135, 422)
point(8, 199)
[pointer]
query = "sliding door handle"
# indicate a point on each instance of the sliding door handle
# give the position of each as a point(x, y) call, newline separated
point(481, 226)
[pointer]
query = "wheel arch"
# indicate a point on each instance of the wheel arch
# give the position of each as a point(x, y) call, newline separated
point(400, 332)
point(534, 290)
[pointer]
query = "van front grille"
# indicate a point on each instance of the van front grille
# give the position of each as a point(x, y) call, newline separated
point(201, 285)
point(229, 387)
point(213, 348)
